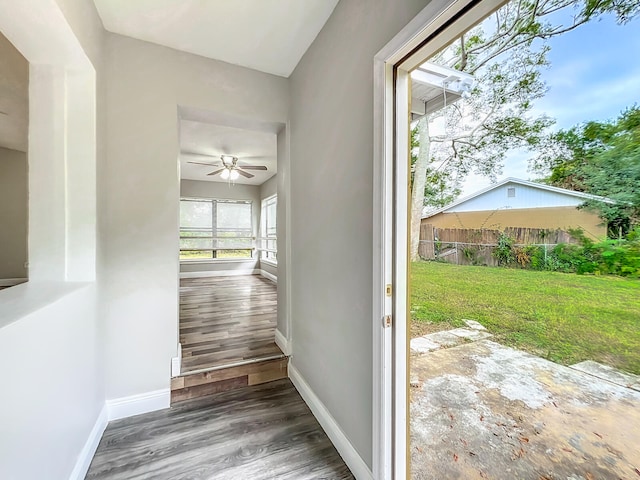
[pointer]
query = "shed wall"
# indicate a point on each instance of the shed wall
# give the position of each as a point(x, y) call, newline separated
point(554, 218)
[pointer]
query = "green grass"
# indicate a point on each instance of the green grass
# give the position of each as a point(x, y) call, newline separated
point(566, 318)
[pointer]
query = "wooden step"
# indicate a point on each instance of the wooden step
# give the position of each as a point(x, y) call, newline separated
point(195, 385)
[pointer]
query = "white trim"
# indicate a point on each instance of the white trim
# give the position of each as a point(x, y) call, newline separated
point(220, 273)
point(214, 261)
point(346, 450)
point(136, 404)
point(283, 343)
point(90, 446)
point(390, 425)
point(270, 276)
point(269, 262)
point(526, 183)
point(11, 282)
point(176, 362)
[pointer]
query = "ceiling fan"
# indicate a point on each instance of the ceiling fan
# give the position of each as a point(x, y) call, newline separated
point(230, 169)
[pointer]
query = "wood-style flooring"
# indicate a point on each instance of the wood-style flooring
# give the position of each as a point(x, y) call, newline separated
point(227, 321)
point(263, 432)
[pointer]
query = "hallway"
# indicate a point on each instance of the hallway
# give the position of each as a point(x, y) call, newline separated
point(261, 432)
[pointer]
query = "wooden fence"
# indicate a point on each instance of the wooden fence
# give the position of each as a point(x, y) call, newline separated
point(475, 246)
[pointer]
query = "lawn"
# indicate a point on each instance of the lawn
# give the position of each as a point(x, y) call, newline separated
point(566, 318)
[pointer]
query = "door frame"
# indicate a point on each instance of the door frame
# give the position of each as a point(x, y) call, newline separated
point(438, 23)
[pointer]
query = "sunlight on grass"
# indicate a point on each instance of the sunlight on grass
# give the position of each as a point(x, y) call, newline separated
point(566, 318)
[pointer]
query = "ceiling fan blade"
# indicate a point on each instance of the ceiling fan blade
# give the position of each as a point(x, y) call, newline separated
point(204, 163)
point(216, 172)
point(244, 174)
point(253, 167)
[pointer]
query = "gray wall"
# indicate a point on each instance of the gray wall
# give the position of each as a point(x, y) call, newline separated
point(139, 189)
point(331, 208)
point(270, 187)
point(13, 213)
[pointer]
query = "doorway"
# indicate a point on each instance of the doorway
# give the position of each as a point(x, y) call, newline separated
point(229, 285)
point(499, 358)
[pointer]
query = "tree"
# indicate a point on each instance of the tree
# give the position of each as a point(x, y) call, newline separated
point(506, 54)
point(600, 158)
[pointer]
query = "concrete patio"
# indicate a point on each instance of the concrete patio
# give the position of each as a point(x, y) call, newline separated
point(482, 410)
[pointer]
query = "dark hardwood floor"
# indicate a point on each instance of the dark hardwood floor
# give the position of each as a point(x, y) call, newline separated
point(263, 432)
point(227, 321)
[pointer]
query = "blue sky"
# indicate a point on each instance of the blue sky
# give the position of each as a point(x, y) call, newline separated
point(594, 75)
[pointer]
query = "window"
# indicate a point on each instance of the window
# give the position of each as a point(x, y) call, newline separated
point(511, 192)
point(215, 229)
point(268, 240)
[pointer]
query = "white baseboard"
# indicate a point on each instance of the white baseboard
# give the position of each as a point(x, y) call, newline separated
point(220, 273)
point(283, 343)
point(137, 404)
point(268, 275)
point(348, 453)
point(10, 282)
point(91, 445)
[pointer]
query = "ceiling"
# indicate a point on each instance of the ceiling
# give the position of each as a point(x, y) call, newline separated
point(266, 35)
point(205, 142)
point(14, 97)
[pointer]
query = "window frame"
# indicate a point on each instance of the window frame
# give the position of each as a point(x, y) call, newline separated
point(268, 253)
point(215, 202)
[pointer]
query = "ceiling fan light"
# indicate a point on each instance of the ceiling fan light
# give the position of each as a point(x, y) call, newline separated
point(233, 175)
point(225, 174)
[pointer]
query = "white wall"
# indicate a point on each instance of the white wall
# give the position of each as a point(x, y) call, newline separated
point(50, 336)
point(13, 213)
point(331, 200)
point(53, 390)
point(139, 191)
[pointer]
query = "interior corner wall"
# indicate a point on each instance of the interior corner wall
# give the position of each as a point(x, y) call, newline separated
point(13, 213)
point(140, 191)
point(269, 188)
point(332, 208)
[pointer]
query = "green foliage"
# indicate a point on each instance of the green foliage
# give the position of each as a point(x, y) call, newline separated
point(610, 257)
point(603, 159)
point(504, 251)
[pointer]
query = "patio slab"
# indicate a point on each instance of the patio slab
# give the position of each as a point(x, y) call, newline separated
point(610, 374)
point(485, 411)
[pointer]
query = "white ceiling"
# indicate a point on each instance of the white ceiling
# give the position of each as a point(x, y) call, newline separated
point(14, 97)
point(266, 35)
point(205, 142)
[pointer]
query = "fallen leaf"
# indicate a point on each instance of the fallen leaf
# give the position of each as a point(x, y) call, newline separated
point(455, 457)
point(524, 439)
